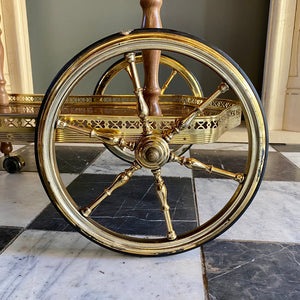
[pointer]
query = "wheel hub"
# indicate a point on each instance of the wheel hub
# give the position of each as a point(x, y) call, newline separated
point(152, 152)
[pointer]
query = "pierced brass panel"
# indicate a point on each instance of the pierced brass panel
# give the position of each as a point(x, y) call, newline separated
point(118, 114)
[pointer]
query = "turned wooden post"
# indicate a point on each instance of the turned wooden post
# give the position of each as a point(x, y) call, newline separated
point(5, 148)
point(151, 19)
point(3, 93)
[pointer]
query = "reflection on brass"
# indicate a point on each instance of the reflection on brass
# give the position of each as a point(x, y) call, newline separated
point(152, 152)
point(221, 114)
point(161, 191)
point(108, 138)
point(168, 81)
point(176, 69)
point(175, 66)
point(185, 122)
point(142, 107)
point(119, 113)
point(195, 164)
point(207, 127)
point(119, 181)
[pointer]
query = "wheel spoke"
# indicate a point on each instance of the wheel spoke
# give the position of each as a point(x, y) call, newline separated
point(161, 191)
point(195, 164)
point(107, 138)
point(168, 81)
point(119, 181)
point(143, 109)
point(128, 70)
point(185, 122)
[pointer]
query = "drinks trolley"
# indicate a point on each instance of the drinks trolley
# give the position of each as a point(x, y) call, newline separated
point(149, 128)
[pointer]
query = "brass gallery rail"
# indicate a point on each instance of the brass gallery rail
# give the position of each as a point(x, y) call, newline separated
point(107, 113)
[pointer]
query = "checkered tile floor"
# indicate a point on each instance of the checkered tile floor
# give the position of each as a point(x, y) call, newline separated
point(258, 258)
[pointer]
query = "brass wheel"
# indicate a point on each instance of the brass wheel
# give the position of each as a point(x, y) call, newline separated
point(174, 68)
point(192, 120)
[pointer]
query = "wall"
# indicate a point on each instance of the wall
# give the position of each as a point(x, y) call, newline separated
point(291, 119)
point(58, 29)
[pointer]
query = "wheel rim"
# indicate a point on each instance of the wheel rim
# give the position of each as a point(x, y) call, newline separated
point(135, 42)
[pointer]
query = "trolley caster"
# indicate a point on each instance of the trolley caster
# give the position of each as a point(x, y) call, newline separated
point(13, 164)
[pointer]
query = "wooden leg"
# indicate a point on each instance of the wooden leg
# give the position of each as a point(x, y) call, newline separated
point(3, 94)
point(6, 148)
point(152, 91)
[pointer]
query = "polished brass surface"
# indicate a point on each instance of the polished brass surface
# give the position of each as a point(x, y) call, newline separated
point(222, 115)
point(119, 181)
point(102, 135)
point(195, 164)
point(186, 122)
point(176, 68)
point(142, 107)
point(218, 116)
point(173, 66)
point(108, 112)
point(152, 152)
point(161, 191)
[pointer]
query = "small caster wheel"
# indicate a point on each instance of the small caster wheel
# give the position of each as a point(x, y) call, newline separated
point(13, 164)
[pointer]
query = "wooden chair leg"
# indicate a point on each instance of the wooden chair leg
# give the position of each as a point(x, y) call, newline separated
point(152, 91)
point(3, 94)
point(6, 148)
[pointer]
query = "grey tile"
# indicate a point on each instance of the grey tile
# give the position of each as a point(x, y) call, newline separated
point(233, 161)
point(51, 220)
point(7, 234)
point(273, 215)
point(108, 163)
point(287, 147)
point(293, 157)
point(64, 265)
point(278, 167)
point(247, 270)
point(22, 198)
point(281, 169)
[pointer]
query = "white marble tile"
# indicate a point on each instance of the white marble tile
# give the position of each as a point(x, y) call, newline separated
point(271, 149)
point(22, 198)
point(68, 178)
point(59, 265)
point(107, 163)
point(225, 146)
point(274, 214)
point(15, 148)
point(294, 157)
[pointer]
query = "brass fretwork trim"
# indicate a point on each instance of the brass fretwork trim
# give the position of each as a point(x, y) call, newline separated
point(19, 120)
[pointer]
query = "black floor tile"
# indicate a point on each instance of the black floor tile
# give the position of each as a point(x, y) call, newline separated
point(51, 220)
point(286, 148)
point(70, 159)
point(76, 159)
point(233, 161)
point(278, 167)
point(7, 234)
point(249, 270)
point(281, 169)
point(131, 209)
